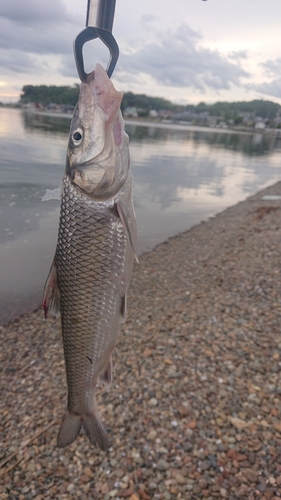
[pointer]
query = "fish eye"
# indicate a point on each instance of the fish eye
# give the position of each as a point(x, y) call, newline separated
point(77, 137)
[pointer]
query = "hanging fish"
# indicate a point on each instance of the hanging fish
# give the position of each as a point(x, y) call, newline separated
point(91, 271)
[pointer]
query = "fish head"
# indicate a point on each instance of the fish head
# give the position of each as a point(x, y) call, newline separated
point(98, 155)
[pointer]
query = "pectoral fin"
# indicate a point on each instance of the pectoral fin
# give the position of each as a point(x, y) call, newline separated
point(129, 224)
point(51, 298)
point(52, 194)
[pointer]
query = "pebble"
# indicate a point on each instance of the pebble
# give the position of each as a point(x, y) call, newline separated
point(196, 489)
point(162, 465)
point(88, 471)
point(251, 475)
point(153, 402)
point(194, 408)
point(272, 480)
point(119, 473)
point(180, 479)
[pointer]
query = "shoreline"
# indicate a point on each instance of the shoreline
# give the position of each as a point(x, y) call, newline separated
point(170, 125)
point(194, 410)
point(38, 308)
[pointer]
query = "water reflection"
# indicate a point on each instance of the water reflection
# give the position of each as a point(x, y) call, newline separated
point(21, 209)
point(35, 122)
point(182, 160)
point(248, 143)
point(180, 177)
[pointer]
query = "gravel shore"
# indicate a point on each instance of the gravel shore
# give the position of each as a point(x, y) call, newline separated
point(194, 411)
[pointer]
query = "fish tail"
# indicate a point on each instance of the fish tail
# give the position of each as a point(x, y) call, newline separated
point(69, 429)
point(95, 431)
point(92, 425)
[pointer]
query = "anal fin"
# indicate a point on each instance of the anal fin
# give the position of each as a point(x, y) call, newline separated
point(51, 298)
point(124, 309)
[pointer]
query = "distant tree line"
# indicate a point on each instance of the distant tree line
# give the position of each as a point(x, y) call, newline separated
point(228, 110)
point(258, 107)
point(46, 94)
point(145, 102)
point(69, 95)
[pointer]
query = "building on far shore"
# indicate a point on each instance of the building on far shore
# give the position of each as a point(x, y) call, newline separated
point(131, 111)
point(260, 125)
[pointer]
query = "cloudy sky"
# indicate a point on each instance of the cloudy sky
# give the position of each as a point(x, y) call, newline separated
point(184, 50)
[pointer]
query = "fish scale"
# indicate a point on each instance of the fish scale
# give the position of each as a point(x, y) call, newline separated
point(94, 294)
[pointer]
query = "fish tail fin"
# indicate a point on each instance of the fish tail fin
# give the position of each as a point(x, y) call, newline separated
point(69, 429)
point(95, 431)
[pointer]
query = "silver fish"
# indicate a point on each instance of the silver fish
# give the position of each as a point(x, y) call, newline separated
point(92, 267)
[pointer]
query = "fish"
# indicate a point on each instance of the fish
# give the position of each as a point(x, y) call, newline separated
point(96, 247)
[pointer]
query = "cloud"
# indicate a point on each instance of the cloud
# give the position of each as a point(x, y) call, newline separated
point(176, 59)
point(173, 58)
point(272, 67)
point(37, 27)
point(148, 19)
point(33, 39)
point(272, 88)
point(237, 55)
point(28, 12)
point(15, 61)
point(67, 66)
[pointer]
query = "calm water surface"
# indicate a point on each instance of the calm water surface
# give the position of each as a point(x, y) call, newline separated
point(180, 178)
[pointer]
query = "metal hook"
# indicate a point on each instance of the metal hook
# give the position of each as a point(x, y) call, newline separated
point(100, 15)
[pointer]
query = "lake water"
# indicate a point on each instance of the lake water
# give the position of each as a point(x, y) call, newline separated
point(180, 178)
